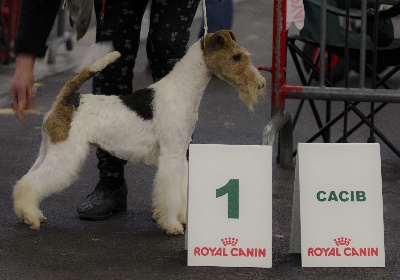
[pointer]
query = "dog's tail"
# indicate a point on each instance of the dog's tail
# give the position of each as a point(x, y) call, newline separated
point(76, 82)
point(104, 61)
point(58, 122)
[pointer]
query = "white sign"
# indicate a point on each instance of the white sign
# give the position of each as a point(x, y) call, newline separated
point(230, 206)
point(341, 206)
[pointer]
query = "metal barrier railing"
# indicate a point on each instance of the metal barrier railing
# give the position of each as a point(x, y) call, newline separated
point(281, 121)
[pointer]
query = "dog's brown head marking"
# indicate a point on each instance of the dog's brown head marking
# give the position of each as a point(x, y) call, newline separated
point(231, 62)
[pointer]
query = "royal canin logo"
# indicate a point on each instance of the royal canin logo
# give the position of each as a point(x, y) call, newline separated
point(342, 241)
point(229, 249)
point(229, 241)
point(342, 249)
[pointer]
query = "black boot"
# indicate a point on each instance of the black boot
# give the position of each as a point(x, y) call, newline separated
point(111, 191)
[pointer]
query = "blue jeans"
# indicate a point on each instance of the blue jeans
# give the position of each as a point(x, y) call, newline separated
point(219, 15)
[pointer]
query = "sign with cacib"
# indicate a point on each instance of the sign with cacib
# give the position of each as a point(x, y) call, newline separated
point(341, 207)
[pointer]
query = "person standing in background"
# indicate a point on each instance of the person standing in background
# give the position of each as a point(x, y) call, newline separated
point(219, 16)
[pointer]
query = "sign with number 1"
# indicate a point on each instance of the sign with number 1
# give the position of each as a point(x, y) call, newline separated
point(232, 190)
point(230, 206)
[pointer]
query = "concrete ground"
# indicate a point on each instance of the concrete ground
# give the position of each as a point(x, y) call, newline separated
point(129, 245)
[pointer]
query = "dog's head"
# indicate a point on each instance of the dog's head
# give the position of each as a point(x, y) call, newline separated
point(231, 62)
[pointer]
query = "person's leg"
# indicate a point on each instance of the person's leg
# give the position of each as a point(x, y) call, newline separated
point(110, 193)
point(169, 33)
point(121, 25)
point(219, 16)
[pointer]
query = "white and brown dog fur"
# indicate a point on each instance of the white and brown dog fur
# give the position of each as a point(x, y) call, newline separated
point(153, 126)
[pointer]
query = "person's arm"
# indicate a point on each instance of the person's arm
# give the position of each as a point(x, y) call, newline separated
point(35, 23)
point(36, 20)
point(22, 83)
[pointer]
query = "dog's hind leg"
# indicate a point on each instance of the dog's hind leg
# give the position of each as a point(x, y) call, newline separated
point(42, 152)
point(167, 196)
point(56, 171)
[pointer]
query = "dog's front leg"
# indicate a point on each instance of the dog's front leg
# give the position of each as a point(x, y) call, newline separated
point(183, 191)
point(167, 197)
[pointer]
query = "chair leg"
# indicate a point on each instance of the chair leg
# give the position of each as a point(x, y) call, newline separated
point(375, 130)
point(345, 120)
point(327, 119)
point(382, 80)
point(371, 138)
point(298, 111)
point(359, 124)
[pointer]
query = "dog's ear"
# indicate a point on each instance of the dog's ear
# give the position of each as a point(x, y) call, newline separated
point(219, 40)
point(232, 35)
point(227, 34)
point(214, 41)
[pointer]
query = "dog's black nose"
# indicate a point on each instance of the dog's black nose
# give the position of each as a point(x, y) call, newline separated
point(260, 86)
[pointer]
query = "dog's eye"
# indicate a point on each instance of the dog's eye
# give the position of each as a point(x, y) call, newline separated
point(237, 57)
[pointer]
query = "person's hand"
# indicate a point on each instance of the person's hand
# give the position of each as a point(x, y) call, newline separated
point(22, 85)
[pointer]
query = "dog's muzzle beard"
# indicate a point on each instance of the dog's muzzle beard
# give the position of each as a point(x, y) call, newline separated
point(231, 63)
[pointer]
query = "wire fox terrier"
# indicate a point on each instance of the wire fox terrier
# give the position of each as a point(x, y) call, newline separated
point(152, 125)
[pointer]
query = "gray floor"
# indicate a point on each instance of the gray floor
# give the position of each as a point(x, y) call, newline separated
point(129, 245)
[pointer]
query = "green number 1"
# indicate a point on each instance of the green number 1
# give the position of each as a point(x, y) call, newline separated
point(232, 189)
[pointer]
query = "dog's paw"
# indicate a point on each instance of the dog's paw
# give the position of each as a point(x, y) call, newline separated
point(169, 226)
point(182, 218)
point(32, 218)
point(26, 204)
point(175, 228)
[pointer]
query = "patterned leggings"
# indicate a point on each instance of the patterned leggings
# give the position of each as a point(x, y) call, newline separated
point(169, 32)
